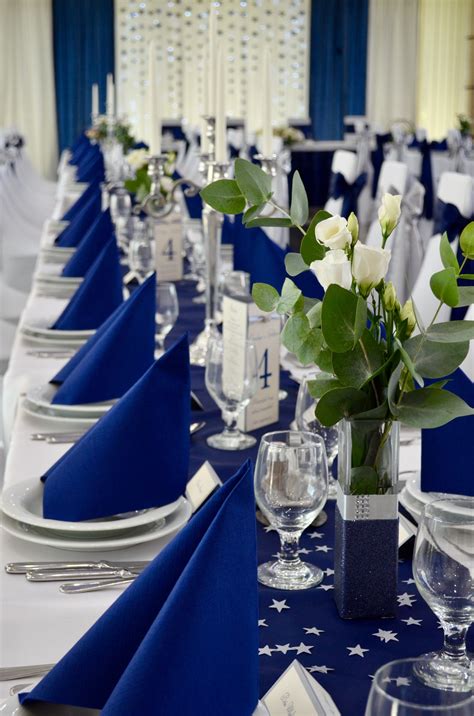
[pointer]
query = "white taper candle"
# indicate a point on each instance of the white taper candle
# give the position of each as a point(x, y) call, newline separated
point(221, 123)
point(110, 97)
point(154, 118)
point(267, 130)
point(95, 100)
point(212, 63)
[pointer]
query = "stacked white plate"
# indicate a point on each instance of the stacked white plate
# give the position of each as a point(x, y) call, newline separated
point(50, 272)
point(39, 330)
point(414, 499)
point(22, 516)
point(38, 402)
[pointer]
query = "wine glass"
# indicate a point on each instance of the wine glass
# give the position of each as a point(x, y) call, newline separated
point(236, 284)
point(443, 567)
point(306, 419)
point(120, 212)
point(232, 380)
point(140, 251)
point(291, 485)
point(397, 691)
point(167, 311)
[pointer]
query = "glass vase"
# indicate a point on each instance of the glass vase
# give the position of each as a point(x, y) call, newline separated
point(366, 541)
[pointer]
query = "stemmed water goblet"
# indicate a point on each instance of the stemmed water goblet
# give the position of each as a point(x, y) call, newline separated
point(140, 251)
point(167, 311)
point(120, 211)
point(291, 482)
point(232, 380)
point(306, 419)
point(443, 567)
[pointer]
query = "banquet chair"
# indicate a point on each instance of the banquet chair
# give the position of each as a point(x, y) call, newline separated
point(345, 164)
point(393, 179)
point(455, 189)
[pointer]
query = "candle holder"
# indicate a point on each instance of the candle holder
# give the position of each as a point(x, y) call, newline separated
point(269, 165)
point(156, 203)
point(212, 222)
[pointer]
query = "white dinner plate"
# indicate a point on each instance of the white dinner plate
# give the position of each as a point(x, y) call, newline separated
point(63, 419)
point(57, 279)
point(41, 397)
point(137, 535)
point(57, 254)
point(24, 502)
point(41, 328)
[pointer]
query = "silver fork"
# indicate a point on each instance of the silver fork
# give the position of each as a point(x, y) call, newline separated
point(72, 437)
point(94, 585)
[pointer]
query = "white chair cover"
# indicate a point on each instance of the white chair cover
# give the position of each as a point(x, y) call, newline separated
point(345, 163)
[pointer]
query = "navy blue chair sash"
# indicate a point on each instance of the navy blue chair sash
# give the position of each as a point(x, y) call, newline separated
point(340, 187)
point(378, 156)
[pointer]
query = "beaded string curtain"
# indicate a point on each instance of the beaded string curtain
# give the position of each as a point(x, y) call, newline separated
point(179, 28)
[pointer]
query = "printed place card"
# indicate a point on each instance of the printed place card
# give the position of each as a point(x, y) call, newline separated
point(168, 233)
point(297, 693)
point(202, 485)
point(406, 530)
point(243, 320)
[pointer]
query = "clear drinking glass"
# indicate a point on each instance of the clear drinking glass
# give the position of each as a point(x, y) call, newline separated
point(397, 691)
point(291, 485)
point(236, 283)
point(232, 381)
point(443, 567)
point(120, 212)
point(167, 311)
point(140, 251)
point(305, 419)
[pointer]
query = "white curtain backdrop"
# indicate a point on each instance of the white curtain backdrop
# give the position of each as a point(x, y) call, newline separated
point(392, 60)
point(443, 63)
point(27, 98)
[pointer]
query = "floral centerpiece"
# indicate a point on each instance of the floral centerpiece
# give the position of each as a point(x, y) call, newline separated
point(379, 364)
point(140, 183)
point(289, 135)
point(465, 125)
point(121, 131)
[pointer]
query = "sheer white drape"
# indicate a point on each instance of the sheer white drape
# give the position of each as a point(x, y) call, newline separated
point(392, 60)
point(27, 97)
point(443, 63)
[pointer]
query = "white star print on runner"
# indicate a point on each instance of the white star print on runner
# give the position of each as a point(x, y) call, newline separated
point(283, 648)
point(406, 600)
point(356, 650)
point(279, 606)
point(313, 630)
point(385, 636)
point(265, 650)
point(412, 622)
point(316, 535)
point(303, 649)
point(326, 587)
point(262, 623)
point(322, 548)
point(320, 669)
point(328, 572)
point(409, 581)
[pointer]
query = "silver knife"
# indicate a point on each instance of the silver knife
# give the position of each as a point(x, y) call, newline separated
point(39, 575)
point(93, 585)
point(24, 567)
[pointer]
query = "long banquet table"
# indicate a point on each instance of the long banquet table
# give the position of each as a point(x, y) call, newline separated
point(38, 623)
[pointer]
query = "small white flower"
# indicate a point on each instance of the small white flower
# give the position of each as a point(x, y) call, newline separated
point(335, 267)
point(137, 158)
point(333, 233)
point(166, 184)
point(369, 266)
point(389, 212)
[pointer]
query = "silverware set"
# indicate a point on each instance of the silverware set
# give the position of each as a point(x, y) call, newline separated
point(60, 438)
point(51, 354)
point(77, 577)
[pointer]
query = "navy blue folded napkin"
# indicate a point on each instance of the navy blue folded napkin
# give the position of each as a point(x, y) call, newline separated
point(136, 456)
point(82, 151)
point(340, 187)
point(116, 356)
point(72, 212)
point(74, 233)
point(92, 169)
point(182, 639)
point(447, 452)
point(81, 141)
point(258, 255)
point(98, 235)
point(98, 296)
point(193, 203)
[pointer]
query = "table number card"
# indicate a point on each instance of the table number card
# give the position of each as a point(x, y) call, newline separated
point(243, 320)
point(168, 233)
point(297, 693)
point(202, 485)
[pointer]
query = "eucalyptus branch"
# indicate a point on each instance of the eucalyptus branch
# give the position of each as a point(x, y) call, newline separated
point(283, 211)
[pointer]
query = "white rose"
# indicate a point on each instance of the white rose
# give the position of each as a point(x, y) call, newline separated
point(166, 184)
point(389, 212)
point(369, 266)
point(335, 267)
point(137, 158)
point(333, 233)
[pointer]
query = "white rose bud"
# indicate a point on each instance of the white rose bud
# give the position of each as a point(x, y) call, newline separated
point(369, 266)
point(389, 213)
point(137, 158)
point(408, 314)
point(335, 267)
point(353, 226)
point(333, 233)
point(166, 184)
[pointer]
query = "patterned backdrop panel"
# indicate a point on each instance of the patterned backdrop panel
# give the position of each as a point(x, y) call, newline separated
point(179, 28)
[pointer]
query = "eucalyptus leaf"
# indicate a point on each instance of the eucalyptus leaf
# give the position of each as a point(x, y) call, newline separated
point(469, 276)
point(344, 317)
point(265, 296)
point(340, 403)
point(393, 387)
point(308, 352)
point(253, 183)
point(252, 212)
point(466, 240)
point(225, 196)
point(448, 257)
point(431, 408)
point(364, 480)
point(378, 413)
point(310, 249)
point(295, 332)
point(314, 315)
point(294, 264)
point(268, 221)
point(322, 384)
point(290, 294)
point(444, 286)
point(451, 332)
point(299, 209)
point(409, 364)
point(357, 366)
point(325, 360)
point(435, 360)
point(466, 295)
